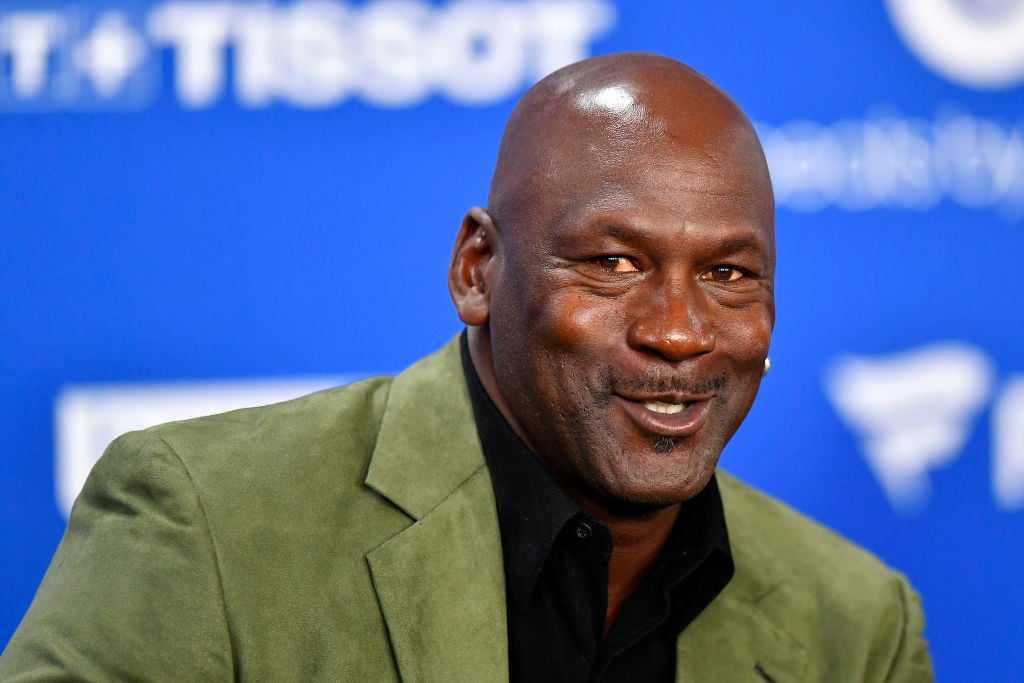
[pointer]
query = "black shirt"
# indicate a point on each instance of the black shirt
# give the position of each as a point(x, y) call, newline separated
point(556, 570)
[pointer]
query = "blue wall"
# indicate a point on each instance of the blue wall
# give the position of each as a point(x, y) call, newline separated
point(280, 202)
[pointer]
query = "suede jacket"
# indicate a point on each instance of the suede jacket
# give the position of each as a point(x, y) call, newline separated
point(351, 535)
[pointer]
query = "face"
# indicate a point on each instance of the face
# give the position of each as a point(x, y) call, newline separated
point(630, 309)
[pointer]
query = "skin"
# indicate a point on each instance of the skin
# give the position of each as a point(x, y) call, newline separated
point(624, 267)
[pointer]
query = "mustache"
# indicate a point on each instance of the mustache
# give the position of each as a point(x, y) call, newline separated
point(658, 382)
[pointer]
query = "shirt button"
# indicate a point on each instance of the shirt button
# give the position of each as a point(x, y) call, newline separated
point(583, 531)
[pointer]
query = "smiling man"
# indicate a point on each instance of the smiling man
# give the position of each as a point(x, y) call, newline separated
point(540, 499)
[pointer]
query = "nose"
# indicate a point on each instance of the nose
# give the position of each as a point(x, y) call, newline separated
point(672, 320)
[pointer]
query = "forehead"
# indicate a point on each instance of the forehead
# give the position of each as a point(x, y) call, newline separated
point(655, 180)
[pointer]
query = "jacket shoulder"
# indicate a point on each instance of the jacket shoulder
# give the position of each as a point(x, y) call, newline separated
point(344, 416)
point(198, 550)
point(766, 531)
point(851, 615)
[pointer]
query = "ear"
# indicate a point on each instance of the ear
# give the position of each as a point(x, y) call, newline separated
point(469, 275)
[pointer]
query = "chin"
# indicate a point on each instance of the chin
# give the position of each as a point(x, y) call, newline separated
point(647, 491)
point(634, 504)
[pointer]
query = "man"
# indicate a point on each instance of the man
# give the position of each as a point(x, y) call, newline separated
point(538, 500)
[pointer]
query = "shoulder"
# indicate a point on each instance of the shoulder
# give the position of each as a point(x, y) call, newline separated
point(766, 531)
point(311, 450)
point(847, 610)
point(336, 419)
point(236, 454)
point(351, 412)
point(185, 527)
point(280, 462)
point(216, 537)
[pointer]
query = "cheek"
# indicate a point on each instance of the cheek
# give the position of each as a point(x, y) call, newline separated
point(537, 332)
point(568, 321)
point(566, 352)
point(748, 336)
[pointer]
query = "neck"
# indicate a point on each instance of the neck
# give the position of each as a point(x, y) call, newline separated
point(479, 343)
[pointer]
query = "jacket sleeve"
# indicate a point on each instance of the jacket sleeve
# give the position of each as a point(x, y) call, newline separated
point(911, 663)
point(133, 592)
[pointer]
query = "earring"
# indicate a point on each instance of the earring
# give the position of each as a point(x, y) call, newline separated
point(767, 366)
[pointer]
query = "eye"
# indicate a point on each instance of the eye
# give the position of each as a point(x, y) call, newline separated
point(724, 273)
point(616, 264)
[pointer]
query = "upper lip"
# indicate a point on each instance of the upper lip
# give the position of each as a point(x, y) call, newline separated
point(663, 397)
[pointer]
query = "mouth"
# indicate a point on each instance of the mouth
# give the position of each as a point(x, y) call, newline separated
point(664, 407)
point(676, 416)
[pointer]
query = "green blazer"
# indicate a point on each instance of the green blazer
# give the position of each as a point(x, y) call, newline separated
point(351, 535)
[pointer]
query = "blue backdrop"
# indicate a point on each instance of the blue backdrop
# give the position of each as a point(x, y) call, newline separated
point(207, 204)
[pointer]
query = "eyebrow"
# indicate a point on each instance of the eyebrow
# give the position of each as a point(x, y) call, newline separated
point(727, 243)
point(621, 233)
point(742, 243)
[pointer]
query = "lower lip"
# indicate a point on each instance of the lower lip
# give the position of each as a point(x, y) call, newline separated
point(684, 423)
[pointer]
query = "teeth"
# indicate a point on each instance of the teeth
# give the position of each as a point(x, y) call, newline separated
point(667, 408)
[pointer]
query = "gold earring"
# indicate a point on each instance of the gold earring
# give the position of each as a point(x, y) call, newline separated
point(767, 366)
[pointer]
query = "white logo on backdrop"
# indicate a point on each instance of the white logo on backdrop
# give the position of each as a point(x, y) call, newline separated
point(915, 410)
point(975, 43)
point(87, 418)
point(309, 54)
point(1008, 445)
point(893, 162)
point(108, 56)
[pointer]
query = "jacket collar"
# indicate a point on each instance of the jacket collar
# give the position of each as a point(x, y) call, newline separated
point(440, 582)
point(427, 444)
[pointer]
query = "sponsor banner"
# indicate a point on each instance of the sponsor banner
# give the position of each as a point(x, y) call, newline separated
point(310, 55)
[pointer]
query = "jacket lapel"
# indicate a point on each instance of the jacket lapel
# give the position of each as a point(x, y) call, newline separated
point(440, 582)
point(735, 640)
point(741, 636)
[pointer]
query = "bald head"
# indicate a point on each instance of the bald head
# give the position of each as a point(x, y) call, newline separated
point(613, 110)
